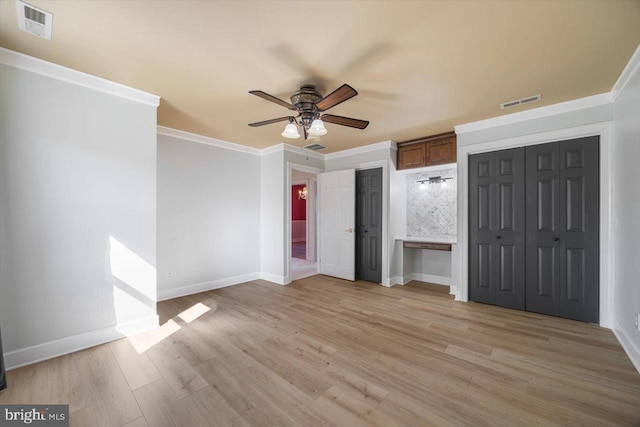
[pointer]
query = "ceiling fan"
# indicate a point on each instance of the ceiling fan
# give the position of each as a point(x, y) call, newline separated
point(309, 103)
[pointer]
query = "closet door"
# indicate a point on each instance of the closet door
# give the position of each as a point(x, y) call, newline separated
point(497, 228)
point(369, 225)
point(482, 236)
point(563, 229)
point(510, 228)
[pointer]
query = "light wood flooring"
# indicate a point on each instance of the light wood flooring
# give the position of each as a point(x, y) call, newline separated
point(322, 351)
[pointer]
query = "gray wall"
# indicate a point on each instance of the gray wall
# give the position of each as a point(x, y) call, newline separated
point(626, 214)
point(77, 214)
point(208, 216)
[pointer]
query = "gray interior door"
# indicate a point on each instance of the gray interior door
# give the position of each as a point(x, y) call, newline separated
point(497, 228)
point(369, 225)
point(563, 229)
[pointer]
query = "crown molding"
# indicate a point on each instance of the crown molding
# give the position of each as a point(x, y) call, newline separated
point(58, 72)
point(282, 147)
point(188, 136)
point(272, 149)
point(303, 151)
point(629, 71)
point(537, 113)
point(362, 149)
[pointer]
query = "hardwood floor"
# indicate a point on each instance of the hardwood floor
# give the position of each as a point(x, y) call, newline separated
point(323, 351)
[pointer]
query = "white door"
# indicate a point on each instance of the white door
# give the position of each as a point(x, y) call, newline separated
point(337, 221)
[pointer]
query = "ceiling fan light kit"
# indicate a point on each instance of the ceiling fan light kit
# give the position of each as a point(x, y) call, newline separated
point(291, 131)
point(317, 128)
point(309, 103)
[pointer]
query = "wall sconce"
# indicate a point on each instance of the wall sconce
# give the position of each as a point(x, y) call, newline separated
point(433, 180)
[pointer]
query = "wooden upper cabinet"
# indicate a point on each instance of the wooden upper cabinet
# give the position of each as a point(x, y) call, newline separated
point(411, 156)
point(441, 151)
point(427, 151)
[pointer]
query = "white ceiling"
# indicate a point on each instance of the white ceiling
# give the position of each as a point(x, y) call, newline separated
point(420, 67)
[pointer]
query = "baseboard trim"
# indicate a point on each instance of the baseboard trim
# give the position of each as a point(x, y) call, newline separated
point(49, 350)
point(274, 278)
point(431, 278)
point(395, 280)
point(633, 352)
point(206, 286)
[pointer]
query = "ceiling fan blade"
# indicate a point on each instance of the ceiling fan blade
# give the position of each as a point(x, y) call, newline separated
point(268, 122)
point(265, 95)
point(339, 95)
point(344, 121)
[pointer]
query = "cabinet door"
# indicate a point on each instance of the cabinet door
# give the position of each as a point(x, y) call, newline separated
point(411, 156)
point(441, 151)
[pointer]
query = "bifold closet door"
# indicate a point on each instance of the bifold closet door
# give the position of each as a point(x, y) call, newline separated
point(497, 228)
point(563, 229)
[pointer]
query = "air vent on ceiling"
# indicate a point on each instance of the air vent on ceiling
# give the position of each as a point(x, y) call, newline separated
point(521, 101)
point(34, 20)
point(315, 147)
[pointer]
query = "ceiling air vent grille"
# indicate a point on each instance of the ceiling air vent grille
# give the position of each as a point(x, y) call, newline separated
point(34, 20)
point(315, 147)
point(521, 101)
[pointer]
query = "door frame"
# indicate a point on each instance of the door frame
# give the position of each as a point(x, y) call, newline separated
point(301, 168)
point(605, 131)
point(384, 164)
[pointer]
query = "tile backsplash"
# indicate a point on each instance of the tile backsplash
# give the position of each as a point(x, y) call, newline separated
point(432, 211)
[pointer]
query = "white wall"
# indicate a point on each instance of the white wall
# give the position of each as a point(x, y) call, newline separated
point(208, 217)
point(272, 217)
point(77, 213)
point(626, 212)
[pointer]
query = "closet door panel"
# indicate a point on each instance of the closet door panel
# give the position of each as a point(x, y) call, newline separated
point(510, 228)
point(482, 202)
point(542, 264)
point(579, 237)
point(496, 225)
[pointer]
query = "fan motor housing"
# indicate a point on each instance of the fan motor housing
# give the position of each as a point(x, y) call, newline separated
point(305, 98)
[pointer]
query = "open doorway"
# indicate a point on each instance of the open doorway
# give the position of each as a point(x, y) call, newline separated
point(303, 258)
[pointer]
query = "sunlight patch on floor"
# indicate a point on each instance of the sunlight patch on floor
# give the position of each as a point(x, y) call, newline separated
point(191, 314)
point(145, 340)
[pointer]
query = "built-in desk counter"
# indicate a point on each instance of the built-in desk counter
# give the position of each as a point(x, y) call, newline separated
point(434, 246)
point(426, 259)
